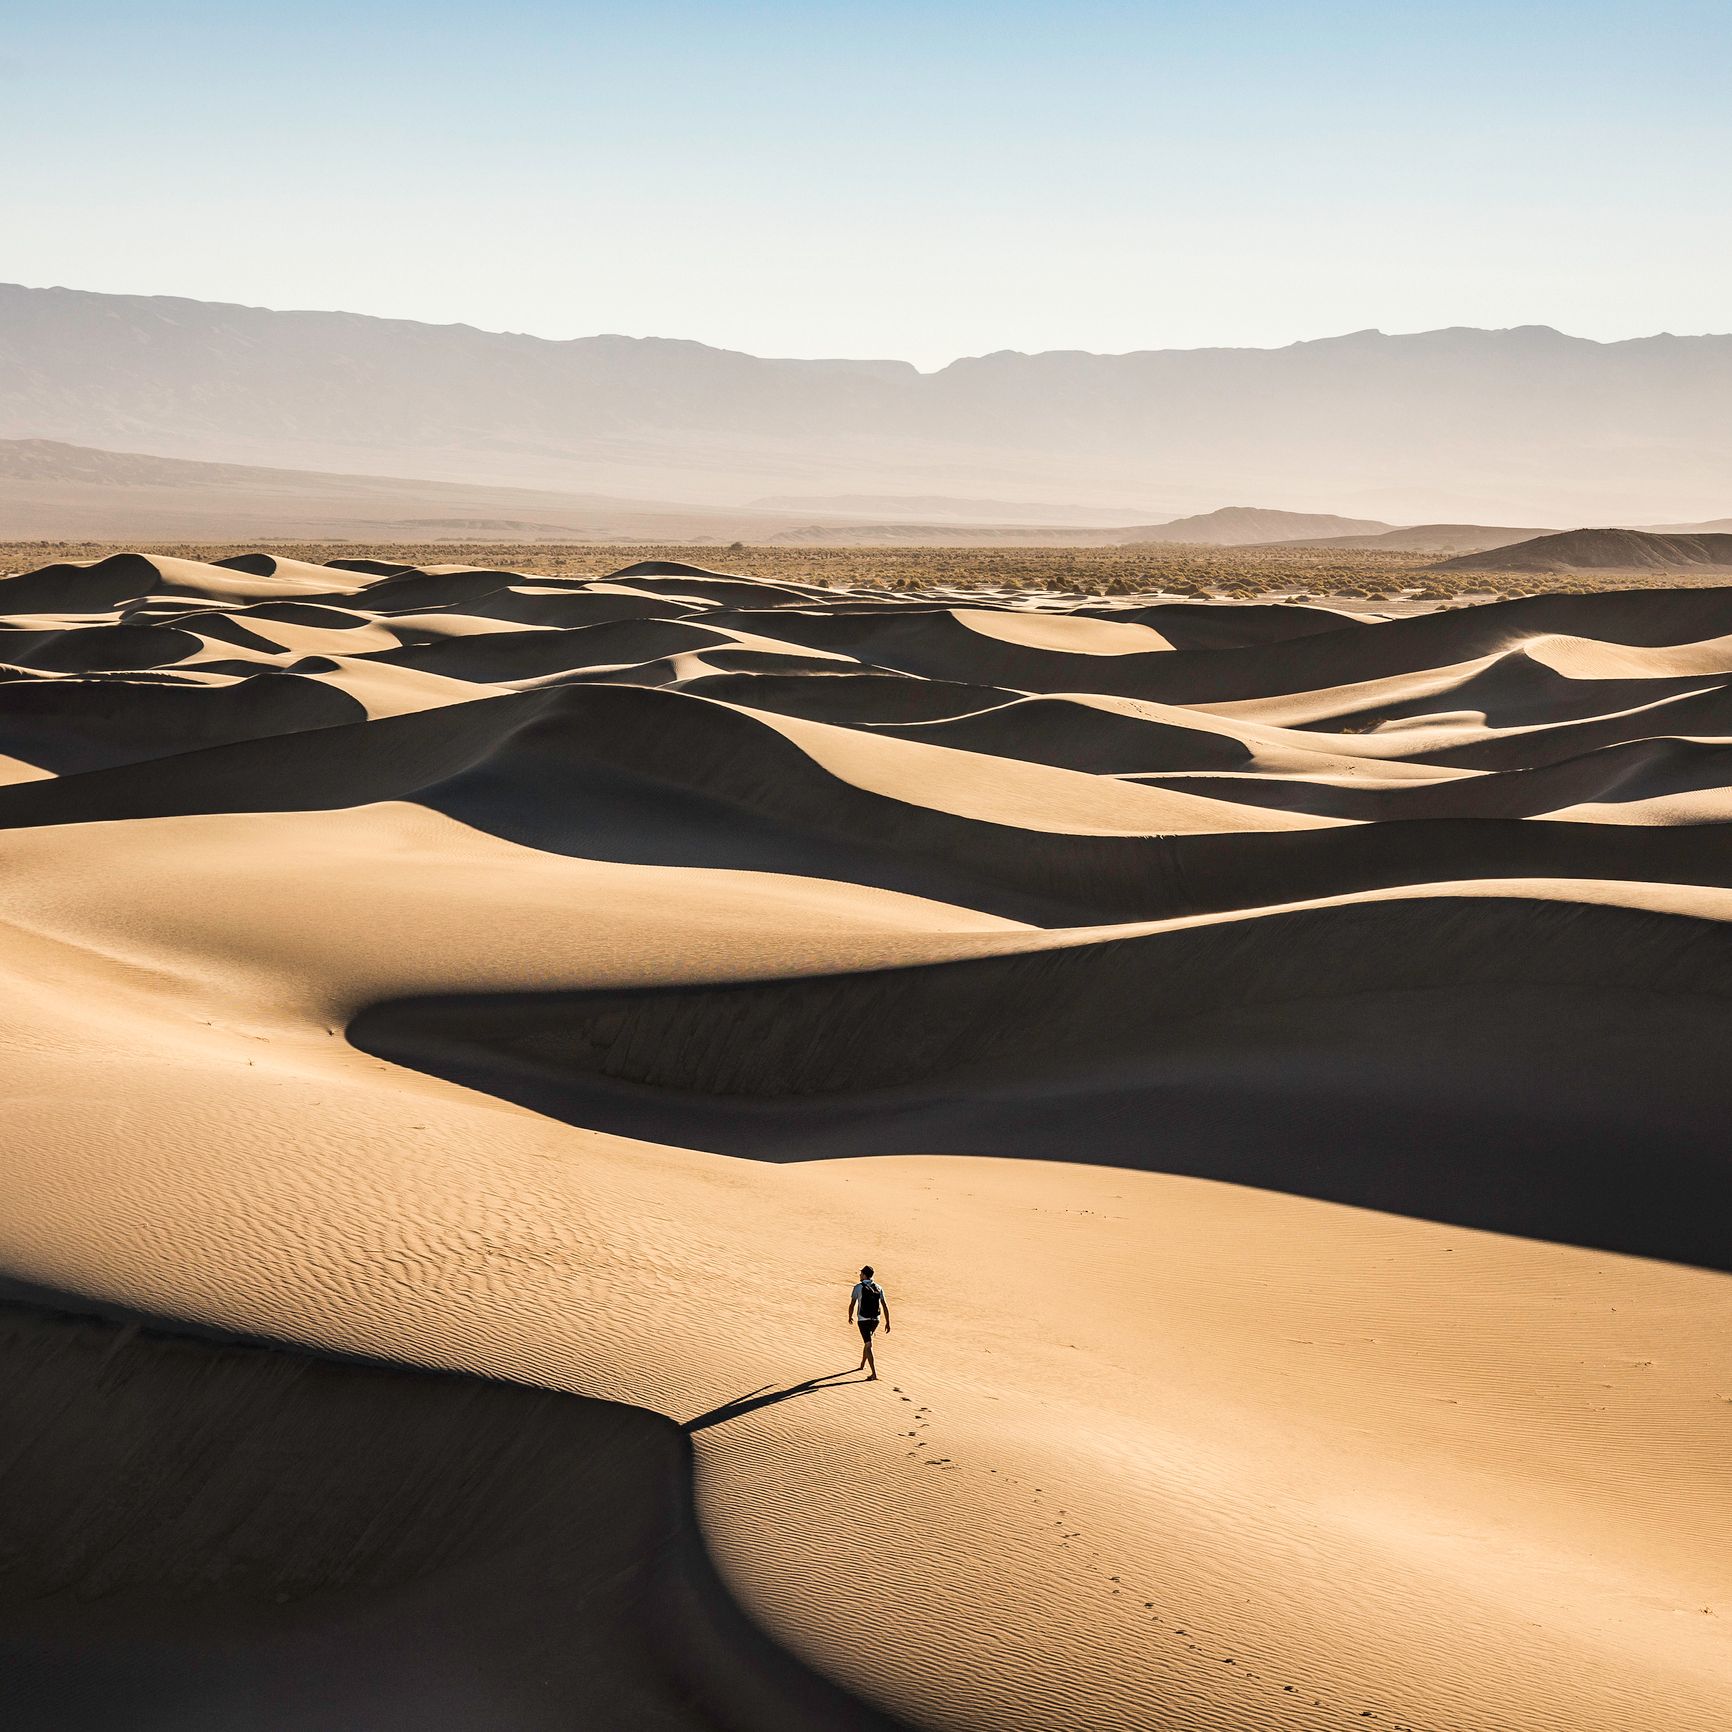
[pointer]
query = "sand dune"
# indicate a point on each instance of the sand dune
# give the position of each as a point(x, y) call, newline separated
point(322, 1542)
point(1270, 1053)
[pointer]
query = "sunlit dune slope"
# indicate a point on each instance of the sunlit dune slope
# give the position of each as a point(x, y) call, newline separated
point(1273, 1057)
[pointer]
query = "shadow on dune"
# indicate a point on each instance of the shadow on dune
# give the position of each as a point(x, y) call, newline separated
point(203, 1533)
point(1518, 691)
point(1541, 1068)
point(1548, 1069)
point(1637, 770)
point(932, 643)
point(658, 778)
point(77, 726)
point(1700, 712)
point(755, 1399)
point(1074, 736)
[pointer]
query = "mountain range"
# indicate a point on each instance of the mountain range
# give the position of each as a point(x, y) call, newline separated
point(1525, 425)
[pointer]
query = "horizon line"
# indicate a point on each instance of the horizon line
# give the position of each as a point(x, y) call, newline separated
point(879, 360)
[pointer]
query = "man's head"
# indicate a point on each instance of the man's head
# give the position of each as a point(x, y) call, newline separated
point(866, 1273)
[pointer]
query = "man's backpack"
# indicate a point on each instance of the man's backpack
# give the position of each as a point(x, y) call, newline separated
point(870, 1294)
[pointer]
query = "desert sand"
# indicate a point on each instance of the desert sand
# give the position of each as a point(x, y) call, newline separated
point(465, 1029)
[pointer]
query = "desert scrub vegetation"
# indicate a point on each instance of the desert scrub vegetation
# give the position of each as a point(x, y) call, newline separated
point(1230, 573)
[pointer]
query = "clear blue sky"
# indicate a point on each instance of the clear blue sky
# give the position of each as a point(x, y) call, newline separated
point(920, 181)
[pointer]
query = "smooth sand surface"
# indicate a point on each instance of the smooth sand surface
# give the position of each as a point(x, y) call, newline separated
point(1289, 1120)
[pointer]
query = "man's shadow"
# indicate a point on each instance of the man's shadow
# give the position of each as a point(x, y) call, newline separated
point(766, 1397)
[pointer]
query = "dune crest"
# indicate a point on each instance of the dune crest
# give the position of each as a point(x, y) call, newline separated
point(1269, 1053)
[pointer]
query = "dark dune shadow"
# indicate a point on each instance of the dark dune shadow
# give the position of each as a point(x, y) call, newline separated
point(79, 726)
point(1200, 625)
point(1540, 1068)
point(1073, 736)
point(850, 695)
point(716, 586)
point(204, 1533)
point(727, 663)
point(925, 640)
point(524, 655)
point(1519, 692)
point(1638, 770)
point(531, 604)
point(97, 648)
point(1699, 712)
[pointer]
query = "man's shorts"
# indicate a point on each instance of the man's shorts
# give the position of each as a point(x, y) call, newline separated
point(867, 1325)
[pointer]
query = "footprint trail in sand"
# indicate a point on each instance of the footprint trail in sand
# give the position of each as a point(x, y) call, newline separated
point(1271, 1053)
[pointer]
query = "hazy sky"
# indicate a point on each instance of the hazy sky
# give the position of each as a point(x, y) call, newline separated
point(920, 181)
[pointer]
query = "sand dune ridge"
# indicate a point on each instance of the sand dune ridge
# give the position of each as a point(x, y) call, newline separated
point(1272, 1054)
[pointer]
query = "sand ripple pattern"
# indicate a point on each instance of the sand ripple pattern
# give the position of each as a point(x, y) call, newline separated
point(1274, 1054)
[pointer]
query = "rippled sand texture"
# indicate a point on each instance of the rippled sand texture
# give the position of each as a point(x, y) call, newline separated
point(1275, 1057)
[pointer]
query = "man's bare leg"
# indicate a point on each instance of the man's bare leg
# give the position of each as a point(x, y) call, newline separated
point(868, 1360)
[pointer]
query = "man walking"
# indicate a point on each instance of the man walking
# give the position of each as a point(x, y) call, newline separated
point(868, 1299)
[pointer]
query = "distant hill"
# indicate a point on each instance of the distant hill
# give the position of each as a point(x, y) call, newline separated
point(50, 490)
point(944, 535)
point(1436, 426)
point(1231, 526)
point(1604, 550)
point(942, 508)
point(1428, 538)
point(1250, 526)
